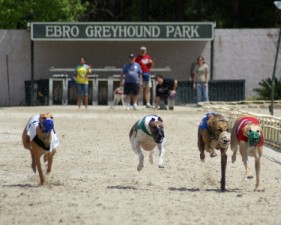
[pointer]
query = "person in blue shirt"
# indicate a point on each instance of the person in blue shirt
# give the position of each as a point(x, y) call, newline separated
point(131, 73)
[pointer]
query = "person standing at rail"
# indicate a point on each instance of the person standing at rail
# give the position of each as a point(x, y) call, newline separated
point(201, 80)
point(146, 63)
point(131, 72)
point(81, 74)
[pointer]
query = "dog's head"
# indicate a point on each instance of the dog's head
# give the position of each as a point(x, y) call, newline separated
point(253, 132)
point(46, 122)
point(157, 129)
point(220, 127)
point(224, 140)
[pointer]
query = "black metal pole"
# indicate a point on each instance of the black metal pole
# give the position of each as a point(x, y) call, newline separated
point(212, 61)
point(32, 73)
point(273, 74)
point(8, 78)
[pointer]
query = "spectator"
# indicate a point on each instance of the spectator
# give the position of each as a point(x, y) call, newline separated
point(133, 79)
point(146, 63)
point(81, 77)
point(201, 79)
point(165, 92)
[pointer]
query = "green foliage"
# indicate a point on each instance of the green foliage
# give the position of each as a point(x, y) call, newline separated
point(16, 14)
point(265, 89)
point(252, 98)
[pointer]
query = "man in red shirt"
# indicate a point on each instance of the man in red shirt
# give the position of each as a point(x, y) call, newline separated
point(146, 63)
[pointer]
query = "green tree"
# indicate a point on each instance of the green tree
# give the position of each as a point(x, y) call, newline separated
point(227, 14)
point(16, 14)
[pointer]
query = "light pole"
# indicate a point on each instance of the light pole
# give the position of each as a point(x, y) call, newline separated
point(278, 6)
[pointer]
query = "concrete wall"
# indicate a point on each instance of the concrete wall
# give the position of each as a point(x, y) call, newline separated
point(246, 54)
point(14, 66)
point(238, 54)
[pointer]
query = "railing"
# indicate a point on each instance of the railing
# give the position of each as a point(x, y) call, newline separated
point(219, 90)
point(106, 69)
point(101, 84)
point(271, 125)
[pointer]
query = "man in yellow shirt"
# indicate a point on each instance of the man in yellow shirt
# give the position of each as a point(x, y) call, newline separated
point(81, 76)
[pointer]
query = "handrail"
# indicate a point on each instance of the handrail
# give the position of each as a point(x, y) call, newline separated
point(106, 69)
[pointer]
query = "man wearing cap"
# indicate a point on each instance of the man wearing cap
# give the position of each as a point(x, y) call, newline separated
point(133, 79)
point(146, 63)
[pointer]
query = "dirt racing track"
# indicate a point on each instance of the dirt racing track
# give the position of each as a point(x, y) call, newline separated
point(95, 179)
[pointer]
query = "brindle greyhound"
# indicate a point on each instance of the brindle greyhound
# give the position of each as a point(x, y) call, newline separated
point(40, 138)
point(147, 133)
point(213, 134)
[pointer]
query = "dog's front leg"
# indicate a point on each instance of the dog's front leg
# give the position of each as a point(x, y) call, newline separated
point(258, 167)
point(212, 148)
point(33, 163)
point(140, 155)
point(151, 156)
point(27, 145)
point(161, 155)
point(233, 157)
point(50, 160)
point(37, 154)
point(243, 147)
point(223, 168)
point(234, 142)
point(201, 146)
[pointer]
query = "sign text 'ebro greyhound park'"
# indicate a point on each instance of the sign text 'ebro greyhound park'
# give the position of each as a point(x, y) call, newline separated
point(197, 31)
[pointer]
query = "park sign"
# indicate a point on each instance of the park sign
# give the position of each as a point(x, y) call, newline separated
point(111, 31)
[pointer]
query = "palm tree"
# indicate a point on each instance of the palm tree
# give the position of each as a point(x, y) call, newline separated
point(265, 90)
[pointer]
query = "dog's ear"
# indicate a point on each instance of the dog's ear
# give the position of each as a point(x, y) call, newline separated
point(160, 119)
point(211, 122)
point(44, 116)
point(210, 116)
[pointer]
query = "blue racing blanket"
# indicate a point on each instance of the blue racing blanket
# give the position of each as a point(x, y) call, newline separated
point(203, 124)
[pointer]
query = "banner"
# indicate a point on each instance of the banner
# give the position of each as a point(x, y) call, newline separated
point(122, 31)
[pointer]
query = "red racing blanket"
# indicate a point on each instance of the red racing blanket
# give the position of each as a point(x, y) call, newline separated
point(242, 123)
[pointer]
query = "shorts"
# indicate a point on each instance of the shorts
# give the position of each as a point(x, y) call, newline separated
point(146, 84)
point(131, 89)
point(146, 80)
point(82, 89)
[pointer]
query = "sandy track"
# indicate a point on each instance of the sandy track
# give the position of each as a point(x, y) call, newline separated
point(95, 181)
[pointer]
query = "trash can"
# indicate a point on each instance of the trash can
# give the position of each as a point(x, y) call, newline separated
point(102, 92)
point(28, 93)
point(42, 96)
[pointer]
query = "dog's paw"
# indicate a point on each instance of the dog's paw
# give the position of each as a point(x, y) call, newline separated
point(213, 154)
point(140, 166)
point(250, 176)
point(161, 166)
point(33, 167)
point(259, 189)
point(233, 158)
point(202, 157)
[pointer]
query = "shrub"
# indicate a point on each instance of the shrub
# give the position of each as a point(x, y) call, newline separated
point(264, 90)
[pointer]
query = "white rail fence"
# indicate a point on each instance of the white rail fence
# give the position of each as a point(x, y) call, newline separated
point(271, 125)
